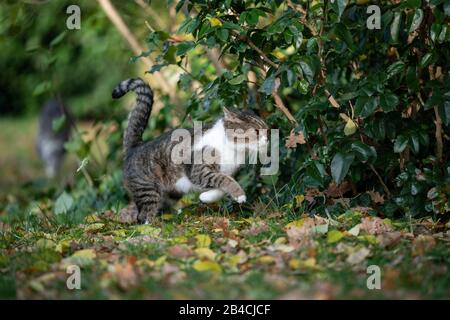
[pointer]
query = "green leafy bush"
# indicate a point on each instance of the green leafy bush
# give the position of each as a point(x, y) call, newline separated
point(370, 107)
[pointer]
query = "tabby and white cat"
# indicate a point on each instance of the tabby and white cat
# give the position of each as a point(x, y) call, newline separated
point(152, 177)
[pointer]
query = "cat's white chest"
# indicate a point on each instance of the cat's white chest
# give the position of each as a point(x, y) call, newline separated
point(216, 138)
point(228, 161)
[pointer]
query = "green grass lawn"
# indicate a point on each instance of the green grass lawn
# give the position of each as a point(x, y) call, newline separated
point(256, 251)
point(209, 253)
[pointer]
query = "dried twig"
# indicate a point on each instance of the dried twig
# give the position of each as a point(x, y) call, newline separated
point(438, 124)
point(254, 47)
point(276, 97)
point(279, 103)
point(438, 134)
point(214, 56)
point(386, 190)
point(118, 22)
point(150, 11)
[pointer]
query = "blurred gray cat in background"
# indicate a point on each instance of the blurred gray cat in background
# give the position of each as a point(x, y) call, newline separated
point(53, 131)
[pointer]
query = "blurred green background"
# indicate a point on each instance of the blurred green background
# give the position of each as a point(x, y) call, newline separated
point(42, 59)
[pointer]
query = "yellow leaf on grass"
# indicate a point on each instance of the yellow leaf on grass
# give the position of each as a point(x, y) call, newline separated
point(294, 264)
point(207, 265)
point(284, 248)
point(62, 246)
point(297, 264)
point(205, 253)
point(148, 230)
point(119, 232)
point(145, 263)
point(309, 263)
point(299, 199)
point(266, 259)
point(203, 240)
point(180, 239)
point(334, 236)
point(160, 261)
point(80, 258)
point(37, 286)
point(167, 216)
point(281, 240)
point(94, 227)
point(235, 232)
point(215, 22)
point(91, 218)
point(354, 231)
point(85, 253)
point(234, 260)
point(44, 244)
point(369, 238)
point(296, 223)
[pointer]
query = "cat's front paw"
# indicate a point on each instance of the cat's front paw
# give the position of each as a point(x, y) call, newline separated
point(241, 199)
point(211, 196)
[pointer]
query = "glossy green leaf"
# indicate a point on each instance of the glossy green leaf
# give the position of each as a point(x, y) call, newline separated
point(340, 165)
point(366, 106)
point(362, 151)
point(400, 143)
point(237, 80)
point(395, 68)
point(388, 101)
point(417, 20)
point(395, 26)
point(64, 203)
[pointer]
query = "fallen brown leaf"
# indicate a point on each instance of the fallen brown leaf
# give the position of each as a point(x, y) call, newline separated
point(180, 251)
point(421, 244)
point(126, 275)
point(374, 225)
point(294, 139)
point(389, 238)
point(336, 191)
point(376, 197)
point(358, 256)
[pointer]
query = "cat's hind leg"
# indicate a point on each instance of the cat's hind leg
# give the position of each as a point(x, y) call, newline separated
point(211, 196)
point(148, 199)
point(149, 207)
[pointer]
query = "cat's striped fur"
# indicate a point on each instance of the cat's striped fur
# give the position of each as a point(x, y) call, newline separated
point(151, 176)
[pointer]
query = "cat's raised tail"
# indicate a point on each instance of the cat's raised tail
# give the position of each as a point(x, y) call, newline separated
point(138, 118)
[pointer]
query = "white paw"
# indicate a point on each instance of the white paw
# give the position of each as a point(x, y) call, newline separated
point(146, 222)
point(241, 199)
point(211, 196)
